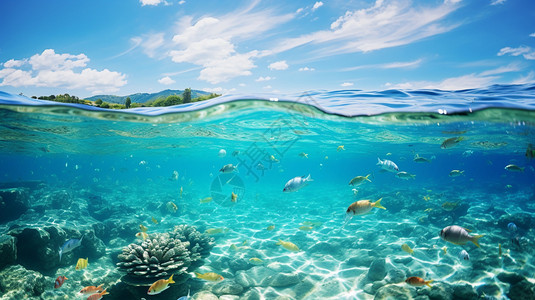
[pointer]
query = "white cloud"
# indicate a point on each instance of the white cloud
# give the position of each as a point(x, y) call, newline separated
point(317, 5)
point(242, 84)
point(217, 71)
point(530, 78)
point(166, 80)
point(385, 24)
point(346, 84)
point(505, 69)
point(268, 87)
point(50, 69)
point(304, 69)
point(181, 2)
point(267, 78)
point(150, 2)
point(278, 65)
point(525, 51)
point(151, 43)
point(496, 2)
point(219, 90)
point(532, 35)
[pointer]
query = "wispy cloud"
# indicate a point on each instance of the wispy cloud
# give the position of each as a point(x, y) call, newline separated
point(525, 51)
point(317, 5)
point(392, 65)
point(530, 78)
point(346, 84)
point(278, 65)
point(305, 69)
point(496, 2)
point(386, 24)
point(51, 69)
point(267, 78)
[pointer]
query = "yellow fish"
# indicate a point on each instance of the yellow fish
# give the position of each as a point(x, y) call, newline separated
point(160, 286)
point(273, 159)
point(81, 264)
point(216, 230)
point(359, 180)
point(306, 228)
point(288, 246)
point(427, 198)
point(428, 209)
point(142, 228)
point(303, 154)
point(445, 249)
point(206, 200)
point(181, 190)
point(270, 227)
point(171, 207)
point(154, 220)
point(313, 223)
point(233, 198)
point(210, 276)
point(233, 247)
point(340, 148)
point(326, 157)
point(362, 207)
point(256, 261)
point(407, 249)
point(449, 206)
point(142, 235)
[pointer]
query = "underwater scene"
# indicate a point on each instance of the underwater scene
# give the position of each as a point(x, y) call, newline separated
point(348, 194)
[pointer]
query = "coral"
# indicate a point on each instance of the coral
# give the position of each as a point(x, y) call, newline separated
point(199, 243)
point(8, 250)
point(18, 283)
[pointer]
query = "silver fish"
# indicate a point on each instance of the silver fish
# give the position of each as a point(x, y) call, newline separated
point(69, 245)
point(463, 255)
point(228, 168)
point(296, 183)
point(387, 165)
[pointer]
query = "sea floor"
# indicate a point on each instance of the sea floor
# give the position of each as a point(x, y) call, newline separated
point(361, 260)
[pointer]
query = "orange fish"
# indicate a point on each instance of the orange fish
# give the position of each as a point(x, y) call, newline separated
point(417, 281)
point(160, 286)
point(91, 290)
point(59, 281)
point(98, 296)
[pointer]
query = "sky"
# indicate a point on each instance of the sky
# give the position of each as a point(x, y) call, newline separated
point(88, 48)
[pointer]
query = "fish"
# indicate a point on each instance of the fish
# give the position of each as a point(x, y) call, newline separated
point(449, 206)
point(303, 154)
point(463, 255)
point(233, 198)
point(206, 200)
point(355, 192)
point(296, 183)
point(160, 286)
point(171, 207)
point(142, 235)
point(458, 235)
point(256, 261)
point(512, 227)
point(59, 281)
point(212, 231)
point(184, 297)
point(91, 289)
point(407, 249)
point(154, 220)
point(451, 142)
point(456, 173)
point(514, 168)
point(233, 247)
point(273, 159)
point(270, 227)
point(387, 165)
point(467, 153)
point(69, 245)
point(313, 223)
point(174, 176)
point(143, 228)
point(417, 281)
point(210, 276)
point(229, 168)
point(222, 153)
point(340, 148)
point(426, 198)
point(419, 159)
point(235, 152)
point(181, 191)
point(98, 295)
point(288, 246)
point(306, 228)
point(445, 250)
point(530, 152)
point(81, 264)
point(405, 175)
point(358, 180)
point(428, 209)
point(362, 207)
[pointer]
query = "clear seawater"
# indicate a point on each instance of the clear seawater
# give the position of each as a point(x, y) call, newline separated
point(128, 158)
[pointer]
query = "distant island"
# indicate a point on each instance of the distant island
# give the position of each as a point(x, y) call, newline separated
point(163, 98)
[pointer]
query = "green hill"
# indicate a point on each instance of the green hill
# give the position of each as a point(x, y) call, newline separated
point(144, 97)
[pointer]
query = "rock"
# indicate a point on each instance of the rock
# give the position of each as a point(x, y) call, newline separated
point(377, 270)
point(464, 292)
point(13, 203)
point(59, 200)
point(229, 297)
point(395, 276)
point(251, 294)
point(511, 278)
point(521, 291)
point(204, 295)
point(303, 288)
point(239, 264)
point(389, 292)
point(489, 289)
point(227, 287)
point(522, 220)
point(282, 279)
point(441, 291)
point(254, 276)
point(326, 248)
point(19, 283)
point(8, 250)
point(330, 289)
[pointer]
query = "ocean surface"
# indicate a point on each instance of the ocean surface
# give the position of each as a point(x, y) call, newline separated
point(463, 158)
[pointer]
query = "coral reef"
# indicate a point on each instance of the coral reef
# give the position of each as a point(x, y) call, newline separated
point(199, 245)
point(18, 283)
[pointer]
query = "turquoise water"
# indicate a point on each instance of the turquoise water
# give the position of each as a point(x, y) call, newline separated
point(101, 173)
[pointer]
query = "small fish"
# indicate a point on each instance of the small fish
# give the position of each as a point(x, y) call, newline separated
point(160, 286)
point(428, 209)
point(419, 159)
point(463, 255)
point(407, 249)
point(98, 295)
point(306, 228)
point(456, 173)
point(233, 247)
point(59, 281)
point(499, 250)
point(355, 192)
point(417, 281)
point(142, 235)
point(143, 228)
point(69, 245)
point(514, 168)
point(235, 153)
point(303, 154)
point(210, 276)
point(530, 152)
point(171, 207)
point(233, 198)
point(458, 235)
point(154, 220)
point(387, 165)
point(206, 200)
point(212, 231)
point(229, 168)
point(313, 223)
point(296, 183)
point(81, 264)
point(340, 148)
point(405, 175)
point(174, 176)
point(363, 206)
point(512, 227)
point(445, 250)
point(256, 261)
point(451, 142)
point(142, 163)
point(181, 191)
point(273, 159)
point(359, 180)
point(184, 297)
point(467, 153)
point(91, 290)
point(270, 227)
point(288, 246)
point(449, 206)
point(426, 198)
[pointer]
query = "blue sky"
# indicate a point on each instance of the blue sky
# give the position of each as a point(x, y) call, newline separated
point(122, 47)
